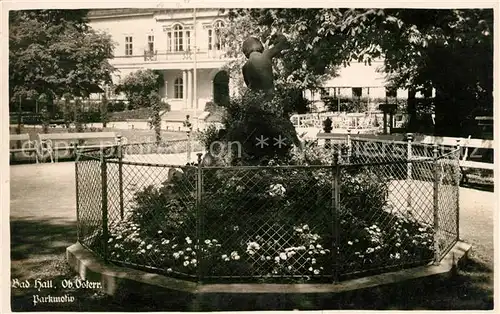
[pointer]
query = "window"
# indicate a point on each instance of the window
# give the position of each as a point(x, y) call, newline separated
point(178, 88)
point(188, 40)
point(210, 39)
point(169, 40)
point(215, 37)
point(391, 92)
point(178, 38)
point(356, 92)
point(128, 45)
point(151, 43)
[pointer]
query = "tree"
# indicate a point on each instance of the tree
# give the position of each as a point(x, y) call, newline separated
point(67, 109)
point(104, 110)
point(449, 50)
point(138, 86)
point(155, 105)
point(54, 52)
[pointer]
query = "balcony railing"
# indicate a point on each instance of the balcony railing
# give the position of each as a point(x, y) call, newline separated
point(159, 55)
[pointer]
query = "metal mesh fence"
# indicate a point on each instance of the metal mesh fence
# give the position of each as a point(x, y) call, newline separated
point(151, 207)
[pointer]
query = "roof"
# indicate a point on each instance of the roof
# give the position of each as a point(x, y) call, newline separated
point(125, 11)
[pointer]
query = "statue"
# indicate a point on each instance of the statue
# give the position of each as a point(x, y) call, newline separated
point(258, 70)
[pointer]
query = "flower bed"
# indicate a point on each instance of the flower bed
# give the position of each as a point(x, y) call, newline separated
point(270, 224)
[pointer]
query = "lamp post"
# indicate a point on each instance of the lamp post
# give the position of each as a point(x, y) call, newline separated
point(189, 127)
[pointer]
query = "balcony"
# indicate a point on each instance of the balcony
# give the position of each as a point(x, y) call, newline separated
point(188, 55)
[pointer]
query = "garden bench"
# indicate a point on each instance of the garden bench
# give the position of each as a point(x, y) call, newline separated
point(48, 141)
point(23, 138)
point(468, 143)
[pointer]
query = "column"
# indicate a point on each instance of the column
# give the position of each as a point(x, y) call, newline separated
point(165, 78)
point(184, 87)
point(190, 89)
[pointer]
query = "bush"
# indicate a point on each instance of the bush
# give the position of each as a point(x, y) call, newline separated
point(271, 221)
point(137, 86)
point(210, 106)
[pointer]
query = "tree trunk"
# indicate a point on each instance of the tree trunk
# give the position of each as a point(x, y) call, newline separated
point(411, 107)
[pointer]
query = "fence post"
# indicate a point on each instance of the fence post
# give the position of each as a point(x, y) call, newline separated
point(437, 253)
point(77, 203)
point(335, 218)
point(409, 181)
point(104, 206)
point(349, 147)
point(199, 217)
point(120, 172)
point(456, 168)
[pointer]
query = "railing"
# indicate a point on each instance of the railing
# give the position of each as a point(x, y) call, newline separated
point(353, 121)
point(361, 214)
point(158, 55)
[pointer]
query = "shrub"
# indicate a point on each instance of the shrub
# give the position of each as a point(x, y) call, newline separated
point(210, 106)
point(137, 86)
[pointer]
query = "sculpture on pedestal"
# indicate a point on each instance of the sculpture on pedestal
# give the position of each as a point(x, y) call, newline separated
point(258, 70)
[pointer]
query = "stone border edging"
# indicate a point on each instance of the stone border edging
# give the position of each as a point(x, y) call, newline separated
point(117, 280)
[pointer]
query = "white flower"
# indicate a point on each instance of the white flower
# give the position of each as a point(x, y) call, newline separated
point(305, 227)
point(283, 256)
point(207, 241)
point(142, 243)
point(160, 232)
point(277, 259)
point(176, 255)
point(181, 252)
point(193, 261)
point(214, 241)
point(188, 240)
point(398, 244)
point(234, 253)
point(143, 251)
point(290, 253)
point(224, 256)
point(237, 257)
point(311, 247)
point(110, 240)
point(316, 271)
point(169, 270)
point(149, 247)
point(311, 269)
point(268, 258)
point(349, 242)
point(370, 250)
point(186, 263)
point(189, 249)
point(236, 228)
point(118, 237)
point(322, 251)
point(397, 256)
point(313, 261)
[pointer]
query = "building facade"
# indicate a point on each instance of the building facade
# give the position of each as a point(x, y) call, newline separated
point(184, 44)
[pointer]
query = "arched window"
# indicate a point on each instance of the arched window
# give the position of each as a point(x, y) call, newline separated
point(215, 37)
point(178, 88)
point(178, 38)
